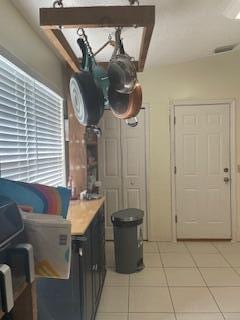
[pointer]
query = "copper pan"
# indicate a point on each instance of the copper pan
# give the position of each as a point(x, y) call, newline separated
point(125, 106)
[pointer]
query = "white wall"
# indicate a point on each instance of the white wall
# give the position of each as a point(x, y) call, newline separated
point(17, 37)
point(216, 77)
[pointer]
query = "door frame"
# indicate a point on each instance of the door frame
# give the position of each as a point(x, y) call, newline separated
point(147, 108)
point(232, 134)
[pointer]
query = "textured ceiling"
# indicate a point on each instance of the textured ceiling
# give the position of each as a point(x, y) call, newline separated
point(185, 29)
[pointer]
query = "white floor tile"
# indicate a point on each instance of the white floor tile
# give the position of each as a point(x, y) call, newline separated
point(149, 277)
point(201, 247)
point(209, 260)
point(149, 299)
point(227, 298)
point(151, 316)
point(177, 260)
point(237, 270)
point(232, 258)
point(112, 316)
point(146, 296)
point(216, 277)
point(193, 300)
point(152, 260)
point(114, 299)
point(116, 279)
point(231, 316)
point(227, 246)
point(184, 277)
point(199, 316)
point(171, 247)
point(150, 247)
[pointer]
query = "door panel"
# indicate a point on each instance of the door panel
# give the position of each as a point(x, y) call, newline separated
point(134, 166)
point(109, 155)
point(201, 154)
point(133, 198)
point(112, 203)
point(122, 166)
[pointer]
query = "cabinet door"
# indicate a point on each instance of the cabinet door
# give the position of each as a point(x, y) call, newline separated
point(86, 278)
point(95, 259)
point(102, 259)
point(61, 299)
point(98, 254)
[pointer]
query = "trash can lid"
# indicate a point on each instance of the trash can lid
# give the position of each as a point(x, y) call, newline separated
point(130, 216)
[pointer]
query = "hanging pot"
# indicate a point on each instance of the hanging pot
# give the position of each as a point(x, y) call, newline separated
point(121, 70)
point(86, 96)
point(126, 106)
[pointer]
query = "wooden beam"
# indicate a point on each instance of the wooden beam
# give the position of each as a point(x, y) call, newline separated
point(146, 38)
point(63, 47)
point(94, 17)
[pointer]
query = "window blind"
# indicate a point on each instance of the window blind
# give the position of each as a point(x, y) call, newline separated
point(31, 129)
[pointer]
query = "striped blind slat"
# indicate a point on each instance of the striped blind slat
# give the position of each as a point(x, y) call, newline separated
point(31, 129)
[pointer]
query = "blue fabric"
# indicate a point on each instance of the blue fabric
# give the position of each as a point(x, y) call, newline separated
point(43, 199)
point(17, 193)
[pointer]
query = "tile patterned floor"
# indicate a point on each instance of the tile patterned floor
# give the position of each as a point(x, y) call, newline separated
point(181, 281)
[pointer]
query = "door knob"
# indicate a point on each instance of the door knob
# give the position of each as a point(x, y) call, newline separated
point(226, 179)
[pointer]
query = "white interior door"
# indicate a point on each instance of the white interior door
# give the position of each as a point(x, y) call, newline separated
point(134, 166)
point(110, 167)
point(122, 167)
point(202, 180)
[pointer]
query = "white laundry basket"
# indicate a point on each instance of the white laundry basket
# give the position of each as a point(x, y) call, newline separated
point(50, 237)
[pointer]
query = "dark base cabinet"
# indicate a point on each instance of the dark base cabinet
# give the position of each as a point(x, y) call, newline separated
point(78, 297)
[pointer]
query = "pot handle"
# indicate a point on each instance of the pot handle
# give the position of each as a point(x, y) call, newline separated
point(132, 124)
point(118, 42)
point(121, 49)
point(85, 58)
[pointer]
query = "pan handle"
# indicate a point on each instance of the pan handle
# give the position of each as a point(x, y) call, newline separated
point(83, 48)
point(117, 41)
point(132, 124)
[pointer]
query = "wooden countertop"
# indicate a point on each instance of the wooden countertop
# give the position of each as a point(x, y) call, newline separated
point(81, 213)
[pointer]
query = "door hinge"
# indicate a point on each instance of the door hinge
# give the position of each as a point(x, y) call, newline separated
point(174, 120)
point(175, 170)
point(176, 219)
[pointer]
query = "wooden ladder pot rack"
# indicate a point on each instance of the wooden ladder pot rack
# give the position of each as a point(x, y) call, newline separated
point(53, 19)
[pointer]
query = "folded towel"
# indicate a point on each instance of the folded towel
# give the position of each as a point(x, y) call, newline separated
point(50, 237)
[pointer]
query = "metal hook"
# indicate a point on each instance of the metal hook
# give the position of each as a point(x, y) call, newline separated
point(58, 3)
point(132, 2)
point(78, 32)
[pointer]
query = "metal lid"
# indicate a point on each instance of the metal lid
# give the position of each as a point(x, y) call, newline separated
point(128, 216)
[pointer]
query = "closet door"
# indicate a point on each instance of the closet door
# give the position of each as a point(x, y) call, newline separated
point(110, 167)
point(133, 142)
point(122, 167)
